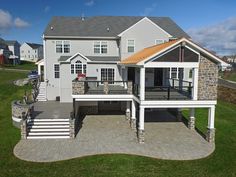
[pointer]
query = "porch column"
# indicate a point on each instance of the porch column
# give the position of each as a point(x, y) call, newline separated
point(125, 76)
point(141, 125)
point(142, 83)
point(133, 117)
point(128, 110)
point(210, 136)
point(195, 84)
point(191, 122)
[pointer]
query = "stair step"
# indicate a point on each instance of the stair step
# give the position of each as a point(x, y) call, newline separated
point(43, 120)
point(48, 123)
point(48, 126)
point(48, 137)
point(50, 130)
point(48, 133)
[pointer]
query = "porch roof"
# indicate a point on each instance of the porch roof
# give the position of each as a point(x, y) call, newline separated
point(148, 53)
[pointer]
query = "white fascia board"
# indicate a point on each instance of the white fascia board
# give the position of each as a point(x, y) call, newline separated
point(171, 65)
point(103, 97)
point(145, 18)
point(129, 65)
point(102, 62)
point(178, 104)
point(69, 59)
point(78, 37)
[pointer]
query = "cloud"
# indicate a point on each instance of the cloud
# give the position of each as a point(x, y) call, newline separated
point(47, 9)
point(220, 37)
point(19, 23)
point(89, 3)
point(7, 22)
point(148, 10)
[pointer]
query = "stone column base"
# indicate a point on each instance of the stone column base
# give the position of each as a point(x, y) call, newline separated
point(141, 136)
point(133, 124)
point(210, 136)
point(191, 123)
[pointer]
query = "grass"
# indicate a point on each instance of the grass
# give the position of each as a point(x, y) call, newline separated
point(25, 65)
point(221, 163)
point(229, 76)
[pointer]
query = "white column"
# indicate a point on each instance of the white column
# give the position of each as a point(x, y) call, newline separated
point(133, 110)
point(192, 113)
point(195, 84)
point(142, 83)
point(141, 118)
point(211, 117)
point(128, 110)
point(191, 122)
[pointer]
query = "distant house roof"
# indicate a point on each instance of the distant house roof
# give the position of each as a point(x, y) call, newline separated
point(105, 26)
point(34, 46)
point(11, 42)
point(150, 52)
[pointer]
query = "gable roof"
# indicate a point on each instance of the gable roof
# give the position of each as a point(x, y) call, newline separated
point(34, 46)
point(11, 42)
point(98, 26)
point(146, 54)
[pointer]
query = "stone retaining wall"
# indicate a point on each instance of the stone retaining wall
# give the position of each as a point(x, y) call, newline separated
point(208, 78)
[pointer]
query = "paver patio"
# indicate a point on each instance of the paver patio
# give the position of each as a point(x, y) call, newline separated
point(104, 134)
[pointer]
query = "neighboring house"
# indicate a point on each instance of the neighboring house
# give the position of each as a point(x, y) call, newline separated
point(31, 52)
point(7, 55)
point(14, 46)
point(129, 63)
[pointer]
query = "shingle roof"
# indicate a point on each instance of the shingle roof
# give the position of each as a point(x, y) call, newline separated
point(97, 26)
point(33, 45)
point(146, 52)
point(95, 58)
point(11, 42)
point(63, 58)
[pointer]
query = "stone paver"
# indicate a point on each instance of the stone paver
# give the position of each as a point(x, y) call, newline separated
point(104, 134)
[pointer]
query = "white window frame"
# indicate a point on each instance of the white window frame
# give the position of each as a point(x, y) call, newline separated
point(63, 46)
point(114, 74)
point(127, 45)
point(100, 47)
point(162, 41)
point(83, 67)
point(54, 71)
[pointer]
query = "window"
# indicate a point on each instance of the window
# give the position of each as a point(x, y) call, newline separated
point(66, 46)
point(130, 46)
point(78, 68)
point(107, 74)
point(58, 46)
point(159, 41)
point(173, 73)
point(28, 51)
point(72, 69)
point(35, 51)
point(56, 71)
point(100, 47)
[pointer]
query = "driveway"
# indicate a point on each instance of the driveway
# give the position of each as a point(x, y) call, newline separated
point(105, 134)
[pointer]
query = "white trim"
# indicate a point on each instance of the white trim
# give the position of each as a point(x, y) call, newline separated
point(127, 41)
point(145, 18)
point(195, 84)
point(178, 104)
point(75, 55)
point(103, 97)
point(110, 67)
point(211, 117)
point(163, 41)
point(171, 65)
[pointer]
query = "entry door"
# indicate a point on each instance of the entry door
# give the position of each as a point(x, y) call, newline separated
point(131, 74)
point(158, 76)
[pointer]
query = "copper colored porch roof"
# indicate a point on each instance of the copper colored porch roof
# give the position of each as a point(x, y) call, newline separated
point(147, 52)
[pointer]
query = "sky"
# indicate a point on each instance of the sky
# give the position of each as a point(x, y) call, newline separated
point(212, 23)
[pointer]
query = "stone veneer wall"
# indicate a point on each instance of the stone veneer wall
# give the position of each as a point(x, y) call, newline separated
point(207, 79)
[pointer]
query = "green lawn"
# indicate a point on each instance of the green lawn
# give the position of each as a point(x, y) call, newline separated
point(25, 65)
point(222, 163)
point(229, 76)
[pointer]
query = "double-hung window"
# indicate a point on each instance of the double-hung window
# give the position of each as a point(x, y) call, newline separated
point(173, 73)
point(56, 71)
point(130, 45)
point(108, 74)
point(58, 46)
point(62, 46)
point(100, 47)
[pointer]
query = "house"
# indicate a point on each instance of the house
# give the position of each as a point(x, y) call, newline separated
point(14, 47)
point(7, 55)
point(31, 52)
point(130, 64)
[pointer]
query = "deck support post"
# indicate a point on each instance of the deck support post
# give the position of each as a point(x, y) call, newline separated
point(133, 117)
point(191, 122)
point(210, 136)
point(195, 84)
point(141, 124)
point(127, 110)
point(179, 114)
